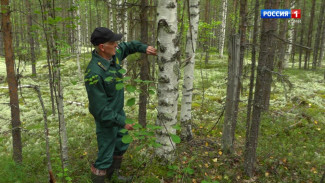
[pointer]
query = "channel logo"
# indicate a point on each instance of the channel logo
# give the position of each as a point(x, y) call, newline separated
point(281, 13)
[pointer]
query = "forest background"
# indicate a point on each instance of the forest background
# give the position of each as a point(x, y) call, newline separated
point(251, 102)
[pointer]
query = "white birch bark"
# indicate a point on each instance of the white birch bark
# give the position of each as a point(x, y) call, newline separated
point(78, 41)
point(186, 108)
point(111, 17)
point(290, 38)
point(223, 27)
point(168, 54)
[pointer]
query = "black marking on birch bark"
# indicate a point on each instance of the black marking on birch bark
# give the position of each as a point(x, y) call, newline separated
point(161, 68)
point(162, 48)
point(193, 15)
point(176, 41)
point(164, 79)
point(171, 5)
point(164, 117)
point(176, 70)
point(162, 24)
point(163, 102)
point(163, 60)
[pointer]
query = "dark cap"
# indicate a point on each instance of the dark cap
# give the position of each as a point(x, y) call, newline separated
point(102, 35)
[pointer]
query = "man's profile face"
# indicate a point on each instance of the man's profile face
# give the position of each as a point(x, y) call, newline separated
point(109, 48)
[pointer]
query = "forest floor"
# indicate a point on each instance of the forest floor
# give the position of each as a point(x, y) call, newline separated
point(291, 146)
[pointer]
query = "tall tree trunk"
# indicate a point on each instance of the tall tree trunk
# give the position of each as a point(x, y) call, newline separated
point(78, 33)
point(186, 108)
point(207, 41)
point(51, 36)
point(109, 16)
point(223, 27)
point(12, 81)
point(252, 77)
point(282, 46)
point(232, 87)
point(310, 35)
point(234, 80)
point(318, 35)
point(302, 34)
point(144, 66)
point(168, 57)
point(291, 35)
point(321, 54)
point(31, 37)
point(263, 83)
point(295, 34)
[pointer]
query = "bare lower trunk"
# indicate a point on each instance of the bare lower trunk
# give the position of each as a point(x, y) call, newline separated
point(232, 87)
point(318, 35)
point(263, 85)
point(12, 82)
point(252, 77)
point(144, 66)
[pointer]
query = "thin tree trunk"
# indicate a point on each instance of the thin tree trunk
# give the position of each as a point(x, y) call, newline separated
point(223, 27)
point(290, 39)
point(302, 34)
point(144, 66)
point(186, 108)
point(318, 35)
point(207, 41)
point(31, 37)
point(282, 46)
point(252, 77)
point(310, 35)
point(321, 54)
point(168, 57)
point(46, 132)
point(78, 33)
point(263, 84)
point(52, 46)
point(293, 53)
point(232, 87)
point(12, 81)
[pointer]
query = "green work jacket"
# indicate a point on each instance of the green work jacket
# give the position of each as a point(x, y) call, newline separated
point(105, 101)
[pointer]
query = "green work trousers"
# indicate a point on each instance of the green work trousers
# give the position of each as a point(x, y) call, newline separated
point(110, 144)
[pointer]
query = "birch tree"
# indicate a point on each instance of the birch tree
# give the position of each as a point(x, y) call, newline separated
point(223, 27)
point(186, 108)
point(168, 55)
point(12, 81)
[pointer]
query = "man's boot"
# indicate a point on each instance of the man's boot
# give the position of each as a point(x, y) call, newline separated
point(117, 161)
point(97, 176)
point(109, 172)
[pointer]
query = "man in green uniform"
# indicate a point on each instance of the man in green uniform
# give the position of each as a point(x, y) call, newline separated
point(105, 101)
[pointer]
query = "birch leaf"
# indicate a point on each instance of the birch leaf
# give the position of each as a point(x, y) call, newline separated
point(119, 86)
point(130, 88)
point(127, 139)
point(130, 102)
point(175, 138)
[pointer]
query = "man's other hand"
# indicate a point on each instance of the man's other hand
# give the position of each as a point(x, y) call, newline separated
point(151, 50)
point(129, 126)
